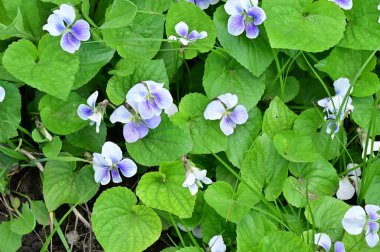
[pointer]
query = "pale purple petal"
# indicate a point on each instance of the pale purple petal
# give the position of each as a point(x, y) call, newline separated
point(137, 94)
point(91, 101)
point(339, 247)
point(67, 13)
point(131, 135)
point(153, 122)
point(206, 181)
point(191, 1)
point(216, 244)
point(163, 98)
point(193, 189)
point(214, 110)
point(102, 176)
point(146, 109)
point(2, 94)
point(239, 115)
point(127, 167)
point(233, 7)
point(202, 35)
point(193, 36)
point(354, 220)
point(323, 240)
point(230, 100)
point(203, 4)
point(372, 211)
point(182, 29)
point(342, 86)
point(371, 236)
point(84, 112)
point(344, 4)
point(141, 128)
point(116, 176)
point(236, 25)
point(227, 125)
point(81, 30)
point(99, 161)
point(257, 14)
point(112, 152)
point(69, 43)
point(251, 30)
point(121, 114)
point(189, 180)
point(213, 1)
point(171, 110)
point(346, 190)
point(324, 102)
point(55, 25)
point(332, 127)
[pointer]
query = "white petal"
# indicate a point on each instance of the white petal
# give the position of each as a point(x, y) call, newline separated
point(373, 212)
point(214, 110)
point(354, 220)
point(137, 93)
point(357, 172)
point(193, 189)
point(233, 7)
point(121, 114)
point(323, 240)
point(67, 13)
point(2, 94)
point(346, 190)
point(91, 101)
point(189, 180)
point(182, 29)
point(230, 100)
point(216, 244)
point(112, 152)
point(323, 103)
point(342, 86)
point(171, 110)
point(55, 25)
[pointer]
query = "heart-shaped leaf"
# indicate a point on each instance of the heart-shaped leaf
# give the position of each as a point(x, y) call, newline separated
point(10, 112)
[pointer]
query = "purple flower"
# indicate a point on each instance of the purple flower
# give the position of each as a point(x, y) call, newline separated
point(356, 219)
point(135, 127)
point(244, 16)
point(182, 29)
point(224, 109)
point(109, 162)
point(344, 4)
point(91, 112)
point(149, 98)
point(2, 94)
point(203, 4)
point(324, 241)
point(59, 24)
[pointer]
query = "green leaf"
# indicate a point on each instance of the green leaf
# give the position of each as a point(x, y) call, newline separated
point(10, 241)
point(25, 223)
point(273, 88)
point(304, 24)
point(123, 68)
point(88, 139)
point(63, 184)
point(224, 75)
point(15, 29)
point(196, 19)
point(239, 143)
point(278, 117)
point(118, 86)
point(119, 14)
point(92, 56)
point(155, 6)
point(165, 143)
point(10, 112)
point(283, 241)
point(362, 114)
point(251, 230)
point(295, 147)
point(317, 179)
point(233, 206)
point(35, 66)
point(326, 214)
point(52, 148)
point(255, 55)
point(366, 85)
point(265, 168)
point(206, 135)
point(120, 225)
point(163, 190)
point(61, 117)
point(59, 2)
point(363, 30)
point(140, 40)
point(372, 194)
point(40, 212)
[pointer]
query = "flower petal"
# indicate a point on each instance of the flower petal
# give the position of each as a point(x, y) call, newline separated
point(141, 128)
point(257, 14)
point(2, 95)
point(216, 244)
point(182, 29)
point(339, 247)
point(193, 189)
point(67, 13)
point(100, 174)
point(146, 109)
point(233, 7)
point(239, 115)
point(163, 98)
point(323, 240)
point(189, 180)
point(84, 112)
point(99, 161)
point(202, 35)
point(236, 25)
point(153, 122)
point(227, 125)
point(371, 236)
point(206, 181)
point(97, 119)
point(121, 114)
point(91, 101)
point(354, 220)
point(372, 211)
point(214, 110)
point(137, 94)
point(130, 133)
point(171, 110)
point(251, 30)
point(112, 152)
point(357, 172)
point(346, 190)
point(324, 102)
point(344, 4)
point(203, 4)
point(230, 100)
point(81, 30)
point(116, 176)
point(342, 86)
point(127, 167)
point(69, 43)
point(55, 25)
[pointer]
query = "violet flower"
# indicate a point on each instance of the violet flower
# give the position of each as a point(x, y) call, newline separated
point(135, 127)
point(109, 162)
point(149, 98)
point(244, 15)
point(2, 94)
point(59, 23)
point(91, 112)
point(182, 29)
point(344, 4)
point(224, 109)
point(203, 4)
point(216, 244)
point(194, 177)
point(324, 241)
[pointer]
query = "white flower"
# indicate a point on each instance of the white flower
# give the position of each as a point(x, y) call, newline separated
point(91, 112)
point(324, 241)
point(182, 29)
point(194, 177)
point(2, 94)
point(216, 244)
point(349, 184)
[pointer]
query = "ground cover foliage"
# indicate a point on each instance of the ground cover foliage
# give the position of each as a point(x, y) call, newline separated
point(190, 125)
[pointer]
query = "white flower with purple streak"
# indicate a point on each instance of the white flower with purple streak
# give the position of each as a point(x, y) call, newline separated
point(225, 109)
point(149, 98)
point(344, 4)
point(109, 162)
point(91, 112)
point(135, 127)
point(60, 23)
point(203, 4)
point(182, 29)
point(2, 94)
point(244, 15)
